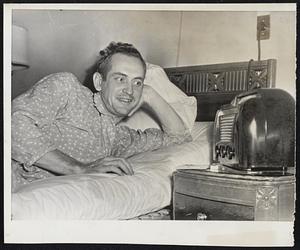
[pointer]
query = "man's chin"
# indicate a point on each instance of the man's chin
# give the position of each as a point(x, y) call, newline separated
point(123, 113)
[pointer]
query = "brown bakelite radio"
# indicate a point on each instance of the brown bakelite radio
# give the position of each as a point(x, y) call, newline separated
point(255, 133)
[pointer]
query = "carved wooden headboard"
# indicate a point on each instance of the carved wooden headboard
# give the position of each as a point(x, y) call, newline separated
point(216, 84)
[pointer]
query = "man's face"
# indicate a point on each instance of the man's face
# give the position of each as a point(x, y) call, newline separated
point(122, 89)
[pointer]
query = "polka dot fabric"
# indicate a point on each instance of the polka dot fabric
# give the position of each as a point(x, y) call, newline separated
point(60, 113)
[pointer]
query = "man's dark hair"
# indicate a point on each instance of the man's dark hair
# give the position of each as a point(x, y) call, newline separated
point(103, 64)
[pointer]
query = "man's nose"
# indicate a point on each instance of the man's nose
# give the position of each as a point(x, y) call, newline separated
point(128, 89)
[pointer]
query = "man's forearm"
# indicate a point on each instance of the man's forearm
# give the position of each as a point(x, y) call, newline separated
point(166, 115)
point(60, 163)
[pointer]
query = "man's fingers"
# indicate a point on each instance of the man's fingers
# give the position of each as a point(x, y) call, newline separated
point(114, 169)
point(120, 162)
point(105, 169)
point(134, 110)
point(120, 165)
point(126, 164)
point(113, 162)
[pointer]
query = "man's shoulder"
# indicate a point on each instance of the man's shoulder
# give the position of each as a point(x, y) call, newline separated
point(61, 82)
point(61, 77)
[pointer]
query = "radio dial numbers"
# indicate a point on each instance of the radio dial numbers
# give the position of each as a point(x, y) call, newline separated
point(224, 151)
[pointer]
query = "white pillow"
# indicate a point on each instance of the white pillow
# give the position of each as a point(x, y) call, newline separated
point(203, 131)
point(185, 106)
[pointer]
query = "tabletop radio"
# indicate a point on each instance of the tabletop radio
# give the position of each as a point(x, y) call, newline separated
point(255, 133)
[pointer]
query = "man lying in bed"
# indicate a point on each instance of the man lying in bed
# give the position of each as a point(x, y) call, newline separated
point(59, 127)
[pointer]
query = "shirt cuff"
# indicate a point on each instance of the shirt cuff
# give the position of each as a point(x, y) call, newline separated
point(27, 159)
point(177, 138)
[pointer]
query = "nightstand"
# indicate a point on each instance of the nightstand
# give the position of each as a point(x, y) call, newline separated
point(208, 195)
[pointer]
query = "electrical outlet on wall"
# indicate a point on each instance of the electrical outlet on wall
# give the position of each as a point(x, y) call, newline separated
point(263, 27)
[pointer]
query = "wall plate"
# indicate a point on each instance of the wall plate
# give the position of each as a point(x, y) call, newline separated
point(263, 27)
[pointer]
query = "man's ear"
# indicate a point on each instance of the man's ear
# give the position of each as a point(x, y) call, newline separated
point(97, 79)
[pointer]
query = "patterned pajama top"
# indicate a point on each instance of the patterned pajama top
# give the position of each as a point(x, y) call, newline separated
point(60, 113)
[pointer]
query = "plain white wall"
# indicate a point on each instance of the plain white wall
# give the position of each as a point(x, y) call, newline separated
point(71, 40)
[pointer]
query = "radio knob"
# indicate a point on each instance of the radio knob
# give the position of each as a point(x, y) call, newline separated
point(231, 154)
point(228, 149)
point(223, 151)
point(217, 150)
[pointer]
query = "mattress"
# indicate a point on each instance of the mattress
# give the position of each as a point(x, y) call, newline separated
point(109, 196)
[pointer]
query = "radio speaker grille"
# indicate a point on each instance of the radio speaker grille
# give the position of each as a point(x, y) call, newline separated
point(226, 127)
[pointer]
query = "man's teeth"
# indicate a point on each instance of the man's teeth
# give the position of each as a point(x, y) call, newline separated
point(127, 100)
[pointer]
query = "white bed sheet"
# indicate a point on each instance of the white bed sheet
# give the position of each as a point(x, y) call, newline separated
point(108, 196)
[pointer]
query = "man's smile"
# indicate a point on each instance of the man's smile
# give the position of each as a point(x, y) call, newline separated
point(125, 99)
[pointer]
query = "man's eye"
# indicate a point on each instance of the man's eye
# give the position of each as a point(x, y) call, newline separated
point(138, 83)
point(120, 79)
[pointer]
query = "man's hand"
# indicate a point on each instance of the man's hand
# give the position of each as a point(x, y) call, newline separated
point(60, 163)
point(116, 165)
